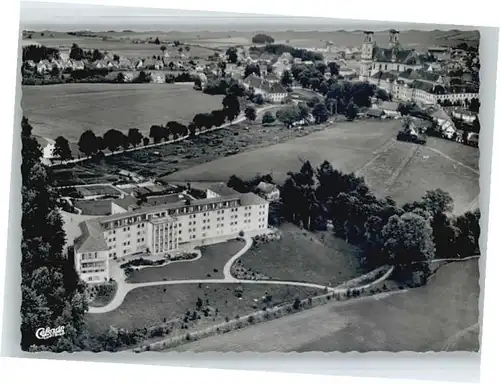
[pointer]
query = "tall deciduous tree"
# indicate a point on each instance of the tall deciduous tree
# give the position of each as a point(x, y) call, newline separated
point(334, 68)
point(351, 111)
point(155, 132)
point(114, 139)
point(76, 53)
point(134, 137)
point(288, 115)
point(87, 143)
point(286, 79)
point(268, 118)
point(61, 149)
point(408, 241)
point(320, 113)
point(250, 113)
point(231, 106)
point(232, 55)
point(252, 68)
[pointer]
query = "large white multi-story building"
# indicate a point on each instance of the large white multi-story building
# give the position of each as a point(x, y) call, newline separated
point(167, 228)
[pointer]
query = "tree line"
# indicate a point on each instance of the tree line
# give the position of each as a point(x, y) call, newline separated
point(262, 38)
point(52, 293)
point(113, 140)
point(279, 49)
point(38, 53)
point(407, 236)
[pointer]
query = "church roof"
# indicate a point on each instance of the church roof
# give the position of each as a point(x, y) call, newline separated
point(402, 56)
point(385, 76)
point(423, 86)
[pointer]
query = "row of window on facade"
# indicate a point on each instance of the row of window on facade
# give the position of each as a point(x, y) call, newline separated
point(92, 264)
point(177, 211)
point(89, 255)
point(95, 270)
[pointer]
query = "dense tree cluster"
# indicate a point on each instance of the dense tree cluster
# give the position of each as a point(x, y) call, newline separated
point(232, 55)
point(262, 38)
point(77, 53)
point(52, 293)
point(252, 68)
point(310, 77)
point(279, 49)
point(38, 53)
point(268, 118)
point(406, 236)
point(223, 86)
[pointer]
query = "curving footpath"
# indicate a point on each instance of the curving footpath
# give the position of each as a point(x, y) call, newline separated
point(124, 288)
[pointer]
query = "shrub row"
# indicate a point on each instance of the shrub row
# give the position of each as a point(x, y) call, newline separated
point(274, 313)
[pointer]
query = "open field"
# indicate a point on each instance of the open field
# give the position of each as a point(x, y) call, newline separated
point(401, 170)
point(210, 265)
point(422, 319)
point(428, 170)
point(148, 306)
point(163, 160)
point(70, 109)
point(347, 146)
point(121, 42)
point(302, 256)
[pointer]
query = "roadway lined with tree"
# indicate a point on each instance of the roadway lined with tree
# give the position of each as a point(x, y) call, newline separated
point(117, 142)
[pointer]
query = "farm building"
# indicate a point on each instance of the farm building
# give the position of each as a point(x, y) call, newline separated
point(375, 113)
point(274, 93)
point(268, 191)
point(390, 109)
point(47, 146)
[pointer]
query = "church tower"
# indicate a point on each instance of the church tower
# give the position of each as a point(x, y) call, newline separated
point(394, 45)
point(366, 56)
point(393, 38)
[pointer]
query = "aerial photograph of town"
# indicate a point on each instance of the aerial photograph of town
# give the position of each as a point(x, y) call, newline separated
point(210, 182)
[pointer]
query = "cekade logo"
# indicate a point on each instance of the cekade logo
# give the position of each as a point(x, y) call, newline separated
point(48, 333)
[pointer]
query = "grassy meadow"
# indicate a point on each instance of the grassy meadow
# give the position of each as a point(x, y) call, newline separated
point(436, 317)
point(71, 109)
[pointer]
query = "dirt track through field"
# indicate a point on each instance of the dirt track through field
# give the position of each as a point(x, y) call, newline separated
point(453, 160)
point(401, 167)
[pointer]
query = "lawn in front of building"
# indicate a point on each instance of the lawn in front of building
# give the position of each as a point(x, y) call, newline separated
point(148, 306)
point(303, 256)
point(209, 266)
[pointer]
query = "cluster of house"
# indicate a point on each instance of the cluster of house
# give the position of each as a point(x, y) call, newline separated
point(410, 76)
point(447, 126)
point(443, 117)
point(65, 63)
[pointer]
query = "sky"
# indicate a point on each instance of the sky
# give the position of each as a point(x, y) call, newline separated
point(64, 17)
